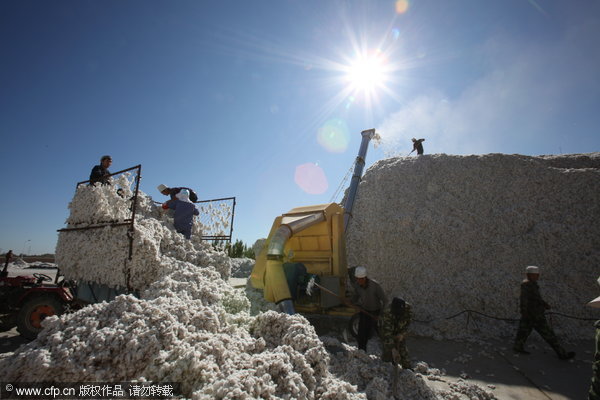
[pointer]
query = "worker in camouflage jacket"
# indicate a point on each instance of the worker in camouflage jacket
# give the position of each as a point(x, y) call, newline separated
point(595, 386)
point(533, 308)
point(393, 326)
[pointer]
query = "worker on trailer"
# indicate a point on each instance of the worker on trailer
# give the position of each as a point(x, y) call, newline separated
point(532, 316)
point(369, 296)
point(594, 393)
point(184, 213)
point(100, 173)
point(393, 326)
point(418, 146)
point(167, 191)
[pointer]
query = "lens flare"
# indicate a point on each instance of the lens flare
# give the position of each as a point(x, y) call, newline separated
point(311, 178)
point(402, 6)
point(349, 102)
point(333, 136)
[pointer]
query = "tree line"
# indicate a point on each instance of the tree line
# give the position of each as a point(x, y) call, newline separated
point(237, 250)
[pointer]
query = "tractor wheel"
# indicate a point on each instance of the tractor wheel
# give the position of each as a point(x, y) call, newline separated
point(353, 326)
point(34, 311)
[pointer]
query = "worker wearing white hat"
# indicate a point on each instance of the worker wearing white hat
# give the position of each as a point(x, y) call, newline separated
point(594, 393)
point(369, 295)
point(183, 217)
point(167, 191)
point(533, 317)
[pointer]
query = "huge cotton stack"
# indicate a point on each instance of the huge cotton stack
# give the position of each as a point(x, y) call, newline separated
point(102, 255)
point(454, 233)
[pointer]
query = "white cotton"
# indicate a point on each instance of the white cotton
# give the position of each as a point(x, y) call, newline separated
point(188, 324)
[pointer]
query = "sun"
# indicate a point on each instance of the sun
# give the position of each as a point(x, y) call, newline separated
point(366, 73)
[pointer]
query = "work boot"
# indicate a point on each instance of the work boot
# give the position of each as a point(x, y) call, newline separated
point(566, 356)
point(520, 350)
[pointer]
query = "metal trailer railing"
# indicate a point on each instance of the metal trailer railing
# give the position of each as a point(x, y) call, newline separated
point(128, 222)
point(217, 237)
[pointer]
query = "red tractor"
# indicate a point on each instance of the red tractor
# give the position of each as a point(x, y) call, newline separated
point(26, 300)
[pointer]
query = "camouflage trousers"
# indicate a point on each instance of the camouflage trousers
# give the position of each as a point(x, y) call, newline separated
point(400, 346)
point(540, 324)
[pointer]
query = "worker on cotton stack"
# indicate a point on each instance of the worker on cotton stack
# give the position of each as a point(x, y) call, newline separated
point(184, 213)
point(369, 296)
point(533, 317)
point(100, 173)
point(595, 386)
point(393, 326)
point(418, 146)
point(167, 191)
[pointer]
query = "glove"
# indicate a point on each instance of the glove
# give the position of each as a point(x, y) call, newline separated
point(165, 206)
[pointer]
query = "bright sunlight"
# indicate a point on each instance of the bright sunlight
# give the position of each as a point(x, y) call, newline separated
point(367, 73)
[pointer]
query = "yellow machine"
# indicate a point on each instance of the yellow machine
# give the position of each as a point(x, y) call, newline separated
point(311, 241)
point(315, 238)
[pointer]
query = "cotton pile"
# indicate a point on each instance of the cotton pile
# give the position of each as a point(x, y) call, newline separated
point(241, 267)
point(102, 255)
point(453, 233)
point(190, 328)
point(188, 325)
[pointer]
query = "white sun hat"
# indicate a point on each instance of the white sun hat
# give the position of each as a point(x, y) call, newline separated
point(161, 187)
point(596, 302)
point(183, 195)
point(532, 269)
point(360, 272)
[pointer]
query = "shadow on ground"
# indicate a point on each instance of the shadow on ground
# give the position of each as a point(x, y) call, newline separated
point(492, 363)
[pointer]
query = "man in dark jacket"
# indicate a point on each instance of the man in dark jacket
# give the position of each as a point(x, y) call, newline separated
point(532, 316)
point(369, 296)
point(100, 173)
point(167, 191)
point(418, 146)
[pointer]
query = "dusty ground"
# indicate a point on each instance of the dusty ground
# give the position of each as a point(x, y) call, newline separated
point(492, 364)
point(540, 375)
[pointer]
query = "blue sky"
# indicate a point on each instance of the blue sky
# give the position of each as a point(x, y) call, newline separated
point(237, 98)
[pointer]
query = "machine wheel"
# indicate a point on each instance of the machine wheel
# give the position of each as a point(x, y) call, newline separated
point(353, 326)
point(34, 311)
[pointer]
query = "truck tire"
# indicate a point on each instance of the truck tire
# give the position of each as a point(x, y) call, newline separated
point(34, 311)
point(353, 327)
